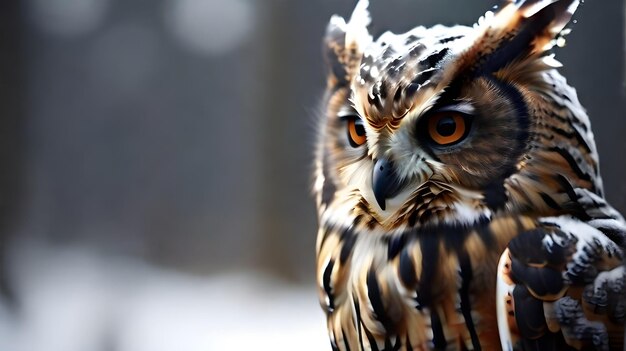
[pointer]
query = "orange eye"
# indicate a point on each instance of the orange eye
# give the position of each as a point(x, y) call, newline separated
point(446, 128)
point(356, 132)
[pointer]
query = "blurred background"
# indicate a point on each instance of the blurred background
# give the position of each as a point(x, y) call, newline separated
point(156, 159)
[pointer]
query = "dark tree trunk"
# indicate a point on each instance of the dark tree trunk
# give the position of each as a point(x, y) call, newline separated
point(11, 136)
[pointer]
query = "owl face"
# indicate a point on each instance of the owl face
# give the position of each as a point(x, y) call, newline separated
point(450, 124)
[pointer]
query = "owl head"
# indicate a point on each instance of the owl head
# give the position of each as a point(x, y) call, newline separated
point(451, 124)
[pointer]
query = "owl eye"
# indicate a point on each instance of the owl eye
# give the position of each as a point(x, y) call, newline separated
point(356, 132)
point(448, 127)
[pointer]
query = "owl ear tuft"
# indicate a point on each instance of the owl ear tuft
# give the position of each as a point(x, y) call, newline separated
point(525, 28)
point(344, 44)
point(545, 19)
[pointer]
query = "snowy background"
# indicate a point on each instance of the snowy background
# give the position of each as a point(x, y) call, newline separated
point(74, 299)
point(156, 159)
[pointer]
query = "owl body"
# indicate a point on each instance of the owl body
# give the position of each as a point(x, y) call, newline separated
point(458, 191)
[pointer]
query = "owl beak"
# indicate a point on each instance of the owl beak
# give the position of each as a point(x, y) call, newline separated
point(385, 182)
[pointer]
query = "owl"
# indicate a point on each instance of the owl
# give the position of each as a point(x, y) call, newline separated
point(458, 193)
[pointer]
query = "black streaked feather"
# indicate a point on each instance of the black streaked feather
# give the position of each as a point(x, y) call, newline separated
point(529, 314)
point(348, 241)
point(374, 295)
point(439, 339)
point(371, 340)
point(574, 165)
point(345, 340)
point(407, 270)
point(434, 58)
point(327, 287)
point(429, 245)
point(466, 307)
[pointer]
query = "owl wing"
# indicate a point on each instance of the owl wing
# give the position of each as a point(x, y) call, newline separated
point(563, 285)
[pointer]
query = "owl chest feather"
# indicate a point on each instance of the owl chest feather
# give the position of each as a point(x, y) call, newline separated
point(433, 287)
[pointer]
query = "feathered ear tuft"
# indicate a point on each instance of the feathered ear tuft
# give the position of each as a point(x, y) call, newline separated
point(521, 29)
point(344, 44)
point(357, 33)
point(547, 18)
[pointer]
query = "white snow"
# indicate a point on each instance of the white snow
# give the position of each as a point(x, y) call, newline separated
point(74, 299)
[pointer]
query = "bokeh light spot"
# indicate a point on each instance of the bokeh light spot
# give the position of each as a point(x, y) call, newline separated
point(67, 18)
point(210, 27)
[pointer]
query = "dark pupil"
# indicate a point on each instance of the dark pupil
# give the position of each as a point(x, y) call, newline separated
point(446, 126)
point(359, 129)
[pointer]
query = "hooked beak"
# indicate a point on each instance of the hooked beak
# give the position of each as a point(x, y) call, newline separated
point(385, 182)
